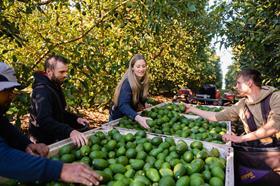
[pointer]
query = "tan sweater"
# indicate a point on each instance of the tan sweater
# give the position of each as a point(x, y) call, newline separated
point(238, 110)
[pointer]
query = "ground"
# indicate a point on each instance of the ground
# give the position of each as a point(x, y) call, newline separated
point(96, 117)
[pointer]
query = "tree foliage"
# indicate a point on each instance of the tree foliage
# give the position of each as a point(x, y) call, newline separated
point(253, 30)
point(99, 37)
point(230, 79)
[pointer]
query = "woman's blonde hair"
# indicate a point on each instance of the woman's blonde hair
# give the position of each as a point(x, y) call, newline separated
point(137, 87)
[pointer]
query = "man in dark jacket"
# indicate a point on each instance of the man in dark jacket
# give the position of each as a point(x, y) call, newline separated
point(49, 120)
point(17, 160)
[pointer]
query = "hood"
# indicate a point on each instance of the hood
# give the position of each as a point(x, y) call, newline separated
point(40, 78)
point(265, 91)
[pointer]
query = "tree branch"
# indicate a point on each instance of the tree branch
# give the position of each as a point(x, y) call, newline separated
point(158, 54)
point(79, 37)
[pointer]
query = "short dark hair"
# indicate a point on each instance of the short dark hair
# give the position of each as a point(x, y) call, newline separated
point(251, 74)
point(52, 60)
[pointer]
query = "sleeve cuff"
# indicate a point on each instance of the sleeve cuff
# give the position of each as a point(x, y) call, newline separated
point(25, 144)
point(133, 116)
point(53, 169)
point(69, 130)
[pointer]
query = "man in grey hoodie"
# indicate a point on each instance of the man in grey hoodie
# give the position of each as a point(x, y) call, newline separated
point(259, 110)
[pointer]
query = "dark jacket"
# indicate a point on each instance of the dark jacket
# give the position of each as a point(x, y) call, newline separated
point(125, 104)
point(16, 164)
point(49, 120)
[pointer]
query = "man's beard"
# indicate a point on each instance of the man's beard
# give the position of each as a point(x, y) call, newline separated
point(56, 80)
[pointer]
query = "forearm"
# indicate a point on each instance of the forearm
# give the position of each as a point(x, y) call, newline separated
point(265, 131)
point(128, 111)
point(70, 118)
point(27, 168)
point(51, 126)
point(204, 114)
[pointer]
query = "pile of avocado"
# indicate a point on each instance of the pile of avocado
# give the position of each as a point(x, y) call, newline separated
point(167, 120)
point(135, 160)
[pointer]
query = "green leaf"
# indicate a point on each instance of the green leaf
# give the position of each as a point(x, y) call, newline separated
point(28, 10)
point(14, 57)
point(191, 7)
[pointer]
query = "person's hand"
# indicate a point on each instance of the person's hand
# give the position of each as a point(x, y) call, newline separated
point(78, 138)
point(38, 149)
point(79, 173)
point(188, 108)
point(232, 138)
point(147, 105)
point(82, 121)
point(142, 121)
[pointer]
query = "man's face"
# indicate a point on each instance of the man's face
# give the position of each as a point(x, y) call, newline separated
point(59, 73)
point(242, 86)
point(6, 97)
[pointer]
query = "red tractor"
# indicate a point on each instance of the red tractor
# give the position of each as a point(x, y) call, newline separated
point(184, 95)
point(207, 95)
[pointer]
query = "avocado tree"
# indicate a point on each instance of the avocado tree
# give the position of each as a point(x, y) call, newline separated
point(230, 79)
point(99, 38)
point(252, 29)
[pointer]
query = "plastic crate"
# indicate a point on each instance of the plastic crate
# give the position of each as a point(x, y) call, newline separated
point(225, 151)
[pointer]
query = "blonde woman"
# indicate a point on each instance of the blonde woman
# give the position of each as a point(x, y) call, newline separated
point(132, 91)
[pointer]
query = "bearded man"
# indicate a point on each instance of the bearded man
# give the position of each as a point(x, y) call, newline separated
point(49, 120)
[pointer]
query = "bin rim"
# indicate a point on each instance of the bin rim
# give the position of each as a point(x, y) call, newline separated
point(255, 149)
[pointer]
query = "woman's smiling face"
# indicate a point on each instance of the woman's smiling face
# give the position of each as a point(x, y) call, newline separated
point(139, 68)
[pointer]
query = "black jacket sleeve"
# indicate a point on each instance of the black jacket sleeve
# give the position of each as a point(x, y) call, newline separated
point(44, 103)
point(70, 118)
point(12, 135)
